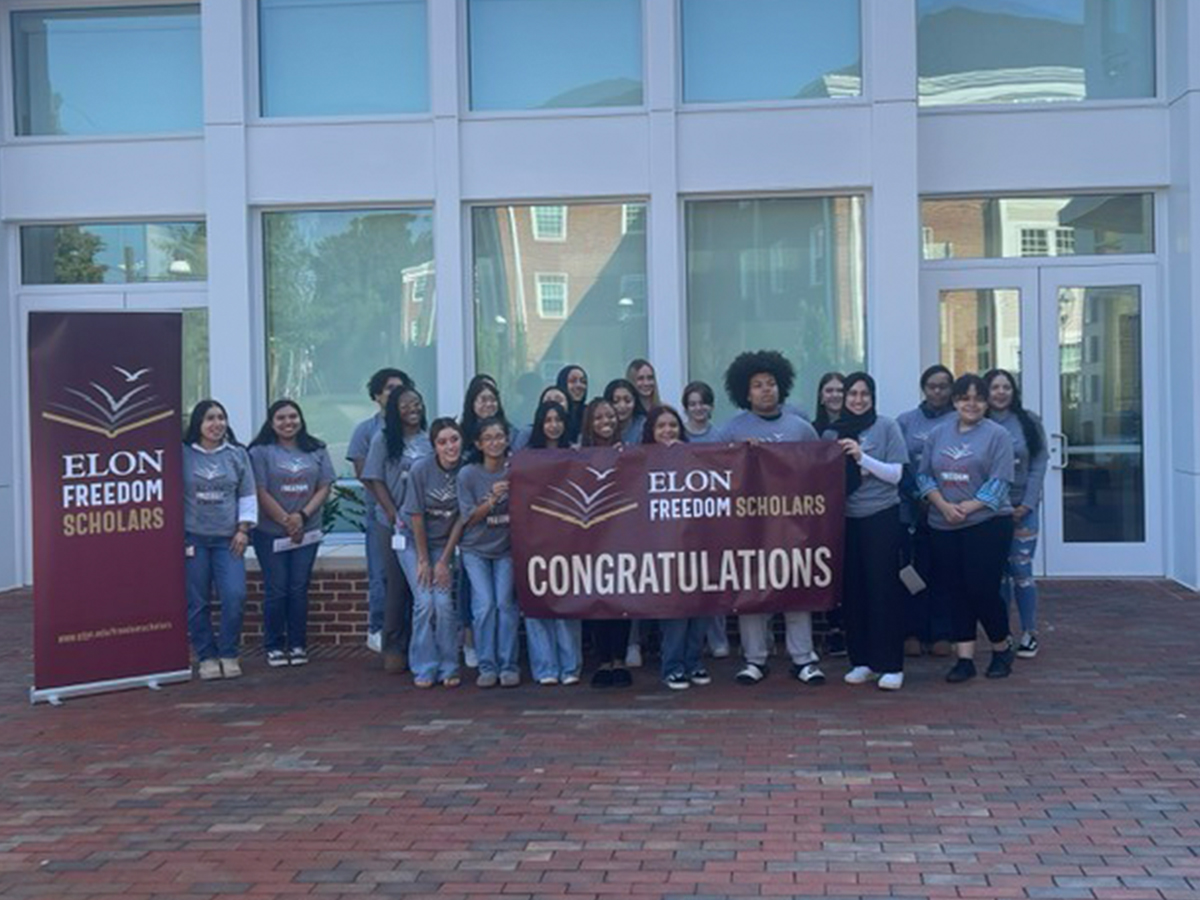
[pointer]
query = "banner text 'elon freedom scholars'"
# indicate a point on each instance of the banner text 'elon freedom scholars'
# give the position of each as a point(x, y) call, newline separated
point(686, 530)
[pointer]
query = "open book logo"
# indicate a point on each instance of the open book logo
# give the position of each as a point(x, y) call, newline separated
point(584, 507)
point(958, 453)
point(125, 403)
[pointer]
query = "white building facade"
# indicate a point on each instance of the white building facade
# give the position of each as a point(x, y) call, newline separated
point(326, 187)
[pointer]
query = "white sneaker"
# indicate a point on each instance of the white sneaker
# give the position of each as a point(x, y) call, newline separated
point(860, 675)
point(721, 651)
point(633, 656)
point(891, 681)
point(375, 641)
point(210, 669)
point(470, 657)
point(231, 668)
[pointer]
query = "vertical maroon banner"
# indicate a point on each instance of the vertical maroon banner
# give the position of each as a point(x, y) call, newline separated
point(106, 456)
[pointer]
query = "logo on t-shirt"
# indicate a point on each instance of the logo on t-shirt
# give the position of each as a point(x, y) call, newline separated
point(961, 452)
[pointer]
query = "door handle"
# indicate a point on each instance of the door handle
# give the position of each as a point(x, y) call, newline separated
point(1060, 451)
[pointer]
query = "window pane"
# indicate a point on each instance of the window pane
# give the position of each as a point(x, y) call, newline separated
point(195, 359)
point(998, 51)
point(540, 305)
point(348, 292)
point(970, 227)
point(980, 329)
point(107, 71)
point(128, 252)
point(784, 274)
point(335, 58)
point(770, 50)
point(535, 54)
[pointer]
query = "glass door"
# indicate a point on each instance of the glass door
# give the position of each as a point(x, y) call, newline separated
point(1102, 491)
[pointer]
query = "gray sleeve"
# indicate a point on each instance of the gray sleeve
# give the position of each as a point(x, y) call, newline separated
point(246, 487)
point(1000, 457)
point(259, 464)
point(895, 449)
point(326, 475)
point(376, 457)
point(1037, 470)
point(808, 433)
point(467, 487)
point(358, 447)
point(414, 494)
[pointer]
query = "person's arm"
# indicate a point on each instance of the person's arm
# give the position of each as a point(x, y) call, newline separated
point(888, 472)
point(247, 504)
point(1038, 465)
point(441, 569)
point(421, 544)
point(380, 492)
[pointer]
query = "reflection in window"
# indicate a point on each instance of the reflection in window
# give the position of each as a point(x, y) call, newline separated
point(347, 292)
point(776, 273)
point(540, 305)
point(543, 54)
point(1083, 225)
point(126, 70)
point(998, 51)
point(330, 58)
point(116, 253)
point(980, 329)
point(736, 50)
point(549, 223)
point(195, 358)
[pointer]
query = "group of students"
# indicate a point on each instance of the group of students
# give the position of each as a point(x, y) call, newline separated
point(949, 490)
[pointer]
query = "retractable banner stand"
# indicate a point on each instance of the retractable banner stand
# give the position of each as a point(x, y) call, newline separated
point(685, 530)
point(106, 457)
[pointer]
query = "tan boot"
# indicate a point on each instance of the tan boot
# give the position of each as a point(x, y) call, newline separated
point(395, 663)
point(912, 647)
point(941, 648)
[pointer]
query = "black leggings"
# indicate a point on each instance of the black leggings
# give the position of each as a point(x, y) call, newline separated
point(610, 637)
point(968, 564)
point(872, 599)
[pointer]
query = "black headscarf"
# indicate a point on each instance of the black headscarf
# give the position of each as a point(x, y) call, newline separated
point(851, 426)
point(574, 407)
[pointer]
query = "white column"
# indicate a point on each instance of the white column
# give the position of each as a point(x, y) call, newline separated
point(1181, 301)
point(236, 353)
point(894, 227)
point(455, 326)
point(11, 528)
point(665, 284)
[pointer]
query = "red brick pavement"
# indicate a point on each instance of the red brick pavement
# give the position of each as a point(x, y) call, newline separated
point(1079, 777)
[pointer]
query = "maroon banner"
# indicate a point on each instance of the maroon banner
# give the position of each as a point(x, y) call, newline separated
point(685, 530)
point(105, 453)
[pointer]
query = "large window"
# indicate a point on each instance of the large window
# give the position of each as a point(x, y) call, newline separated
point(1085, 224)
point(347, 292)
point(540, 305)
point(736, 50)
point(126, 70)
point(115, 253)
point(1000, 51)
point(195, 358)
point(536, 54)
point(331, 58)
point(779, 273)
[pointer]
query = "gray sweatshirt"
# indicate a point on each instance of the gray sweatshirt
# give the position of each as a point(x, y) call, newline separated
point(1029, 474)
point(218, 490)
point(488, 538)
point(291, 477)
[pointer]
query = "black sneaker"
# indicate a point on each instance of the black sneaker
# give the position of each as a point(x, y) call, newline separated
point(602, 678)
point(1028, 648)
point(1001, 664)
point(622, 677)
point(677, 682)
point(751, 673)
point(701, 677)
point(298, 656)
point(276, 658)
point(809, 673)
point(963, 670)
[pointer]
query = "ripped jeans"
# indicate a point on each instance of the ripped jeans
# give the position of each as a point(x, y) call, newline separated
point(1019, 584)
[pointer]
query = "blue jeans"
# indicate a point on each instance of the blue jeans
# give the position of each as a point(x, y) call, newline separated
point(433, 648)
point(1019, 584)
point(494, 609)
point(717, 633)
point(285, 592)
point(682, 641)
point(555, 647)
point(376, 583)
point(210, 564)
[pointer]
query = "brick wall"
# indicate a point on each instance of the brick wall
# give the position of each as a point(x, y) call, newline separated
point(337, 607)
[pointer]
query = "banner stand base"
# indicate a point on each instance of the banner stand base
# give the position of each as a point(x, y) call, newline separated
point(55, 696)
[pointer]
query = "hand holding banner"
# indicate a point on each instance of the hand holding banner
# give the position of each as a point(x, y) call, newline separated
point(687, 530)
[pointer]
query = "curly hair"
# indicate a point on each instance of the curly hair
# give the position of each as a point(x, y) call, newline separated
point(751, 363)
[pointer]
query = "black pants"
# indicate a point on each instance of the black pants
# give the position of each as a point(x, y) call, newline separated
point(968, 564)
point(397, 607)
point(610, 637)
point(927, 612)
point(872, 598)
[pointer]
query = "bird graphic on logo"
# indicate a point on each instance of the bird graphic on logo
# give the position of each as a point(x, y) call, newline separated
point(209, 472)
point(958, 453)
point(294, 466)
point(583, 507)
point(108, 411)
point(443, 494)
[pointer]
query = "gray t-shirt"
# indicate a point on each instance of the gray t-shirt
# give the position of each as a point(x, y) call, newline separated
point(213, 483)
point(290, 477)
point(916, 427)
point(393, 472)
point(360, 446)
point(884, 442)
point(747, 425)
point(488, 538)
point(708, 436)
point(960, 463)
point(432, 492)
point(1029, 474)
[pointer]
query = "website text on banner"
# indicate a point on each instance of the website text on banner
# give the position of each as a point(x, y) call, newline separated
point(105, 454)
point(685, 530)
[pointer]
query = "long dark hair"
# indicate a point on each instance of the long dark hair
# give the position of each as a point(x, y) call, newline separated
point(574, 420)
point(615, 385)
point(266, 435)
point(538, 439)
point(657, 413)
point(393, 422)
point(1033, 437)
point(588, 432)
point(470, 420)
point(822, 421)
point(199, 411)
